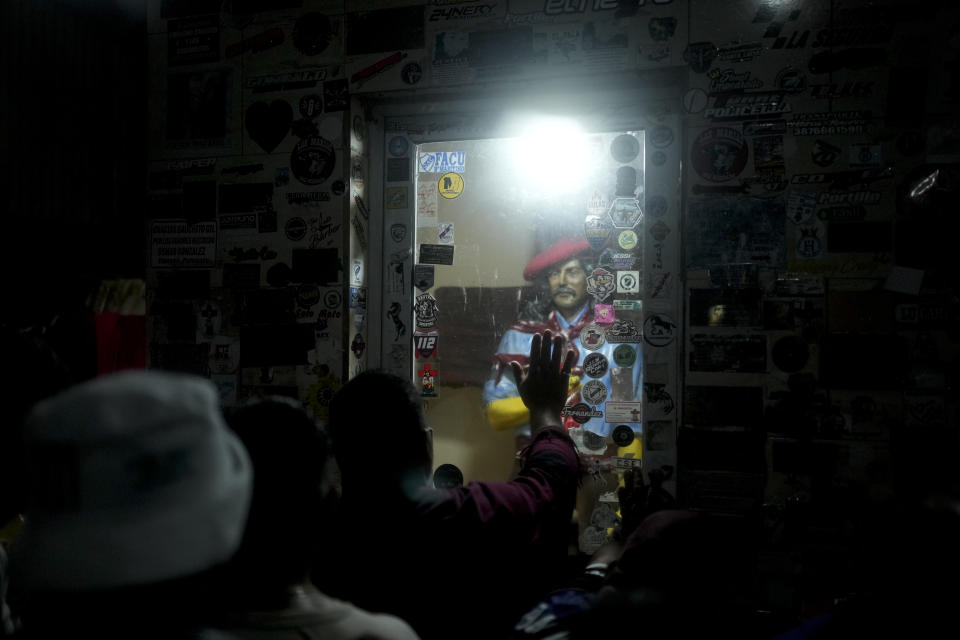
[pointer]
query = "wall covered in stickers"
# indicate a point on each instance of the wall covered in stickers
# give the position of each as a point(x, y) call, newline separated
point(820, 148)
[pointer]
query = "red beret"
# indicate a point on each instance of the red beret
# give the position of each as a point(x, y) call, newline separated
point(561, 250)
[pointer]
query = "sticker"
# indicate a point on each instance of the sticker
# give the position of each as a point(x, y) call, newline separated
point(358, 297)
point(621, 384)
point(398, 146)
point(310, 105)
point(622, 412)
point(295, 228)
point(591, 539)
point(768, 155)
point(268, 125)
point(398, 232)
point(623, 356)
point(790, 354)
point(450, 185)
point(695, 101)
point(177, 244)
point(425, 309)
point(623, 331)
point(661, 136)
point(445, 233)
point(332, 299)
point(398, 169)
point(442, 162)
point(427, 202)
point(358, 345)
point(719, 154)
point(624, 148)
point(396, 197)
point(423, 276)
point(581, 412)
point(447, 476)
point(809, 245)
point(425, 344)
point(658, 158)
point(628, 282)
point(260, 42)
point(658, 435)
point(603, 313)
point(622, 435)
point(393, 312)
point(436, 254)
point(595, 365)
point(659, 330)
point(625, 213)
point(396, 271)
point(823, 153)
point(724, 307)
point(411, 73)
point(312, 160)
point(600, 284)
point(193, 41)
point(700, 55)
point(591, 337)
point(428, 381)
point(596, 229)
point(656, 206)
point(735, 231)
point(308, 295)
point(358, 319)
point(865, 155)
point(800, 206)
point(627, 239)
point(356, 272)
point(594, 392)
point(659, 230)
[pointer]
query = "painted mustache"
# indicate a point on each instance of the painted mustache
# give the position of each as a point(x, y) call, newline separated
point(567, 290)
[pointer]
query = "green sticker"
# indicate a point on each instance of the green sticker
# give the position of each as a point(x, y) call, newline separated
point(624, 355)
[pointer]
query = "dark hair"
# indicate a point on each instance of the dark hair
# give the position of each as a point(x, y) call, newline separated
point(289, 453)
point(538, 307)
point(377, 426)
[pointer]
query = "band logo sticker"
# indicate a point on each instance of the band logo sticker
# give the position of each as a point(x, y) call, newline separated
point(623, 356)
point(659, 330)
point(428, 381)
point(581, 412)
point(591, 337)
point(600, 284)
point(425, 344)
point(450, 185)
point(425, 309)
point(623, 411)
point(719, 154)
point(442, 162)
point(594, 392)
point(595, 365)
point(625, 213)
point(312, 160)
point(623, 331)
point(628, 282)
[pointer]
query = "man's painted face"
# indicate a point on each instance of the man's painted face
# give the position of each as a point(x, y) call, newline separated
point(568, 286)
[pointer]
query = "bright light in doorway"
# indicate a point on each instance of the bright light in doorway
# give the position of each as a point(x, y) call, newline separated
point(551, 155)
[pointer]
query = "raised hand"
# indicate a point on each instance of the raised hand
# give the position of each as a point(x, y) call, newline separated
point(543, 386)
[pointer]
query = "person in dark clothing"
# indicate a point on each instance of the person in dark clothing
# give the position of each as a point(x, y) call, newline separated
point(461, 562)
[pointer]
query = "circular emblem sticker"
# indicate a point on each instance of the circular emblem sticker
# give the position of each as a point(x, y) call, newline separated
point(658, 158)
point(624, 148)
point(657, 206)
point(594, 392)
point(719, 154)
point(623, 356)
point(411, 73)
point(398, 145)
point(591, 337)
point(450, 185)
point(659, 330)
point(595, 365)
point(295, 228)
point(622, 435)
point(661, 137)
point(627, 239)
point(312, 160)
point(447, 476)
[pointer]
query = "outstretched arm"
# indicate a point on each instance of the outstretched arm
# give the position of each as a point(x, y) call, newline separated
point(543, 386)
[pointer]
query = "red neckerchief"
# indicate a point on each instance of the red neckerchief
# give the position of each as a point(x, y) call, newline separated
point(502, 360)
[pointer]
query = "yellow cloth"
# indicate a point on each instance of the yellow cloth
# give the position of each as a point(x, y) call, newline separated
point(511, 412)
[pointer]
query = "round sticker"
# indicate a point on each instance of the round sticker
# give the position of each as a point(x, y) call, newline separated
point(411, 73)
point(595, 365)
point(332, 299)
point(312, 160)
point(622, 435)
point(591, 337)
point(594, 392)
point(398, 145)
point(659, 330)
point(627, 239)
point(661, 137)
point(450, 185)
point(624, 356)
point(695, 101)
point(447, 476)
point(658, 158)
point(295, 228)
point(719, 154)
point(624, 148)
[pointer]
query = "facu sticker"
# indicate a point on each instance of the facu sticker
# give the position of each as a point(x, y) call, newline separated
point(428, 381)
point(594, 392)
point(595, 365)
point(425, 309)
point(627, 239)
point(659, 330)
point(312, 160)
point(591, 337)
point(624, 355)
point(442, 162)
point(450, 185)
point(603, 313)
point(425, 344)
point(628, 282)
point(719, 154)
point(600, 284)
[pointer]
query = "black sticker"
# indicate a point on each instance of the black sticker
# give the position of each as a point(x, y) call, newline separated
point(423, 275)
point(279, 275)
point(393, 312)
point(411, 73)
point(447, 476)
point(595, 365)
point(311, 105)
point(436, 254)
point(594, 441)
point(622, 435)
point(295, 228)
point(276, 345)
point(312, 160)
point(398, 169)
point(268, 124)
point(336, 95)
